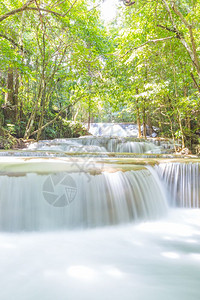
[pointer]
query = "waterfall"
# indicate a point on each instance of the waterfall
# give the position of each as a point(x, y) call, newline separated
point(113, 129)
point(97, 144)
point(76, 200)
point(67, 145)
point(46, 203)
point(138, 147)
point(183, 182)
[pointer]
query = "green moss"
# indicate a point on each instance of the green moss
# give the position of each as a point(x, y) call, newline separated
point(7, 141)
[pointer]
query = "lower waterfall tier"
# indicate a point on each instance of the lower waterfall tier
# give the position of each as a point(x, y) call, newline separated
point(183, 183)
point(76, 200)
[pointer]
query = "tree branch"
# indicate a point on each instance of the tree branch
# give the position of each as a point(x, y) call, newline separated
point(70, 8)
point(195, 82)
point(54, 119)
point(45, 10)
point(57, 3)
point(49, 123)
point(15, 11)
point(178, 13)
point(189, 27)
point(191, 51)
point(149, 42)
point(13, 42)
point(170, 15)
point(167, 28)
point(27, 7)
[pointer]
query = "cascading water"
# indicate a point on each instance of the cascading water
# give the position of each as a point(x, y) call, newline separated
point(152, 260)
point(121, 145)
point(72, 200)
point(55, 242)
point(66, 145)
point(183, 183)
point(135, 147)
point(113, 129)
point(96, 200)
point(93, 144)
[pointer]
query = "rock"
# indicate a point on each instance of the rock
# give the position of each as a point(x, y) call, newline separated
point(185, 151)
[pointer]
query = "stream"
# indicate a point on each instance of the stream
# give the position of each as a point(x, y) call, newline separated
point(100, 217)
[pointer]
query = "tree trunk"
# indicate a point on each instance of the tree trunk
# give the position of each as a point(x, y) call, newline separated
point(89, 115)
point(172, 132)
point(144, 124)
point(16, 93)
point(31, 120)
point(191, 49)
point(181, 129)
point(9, 95)
point(138, 120)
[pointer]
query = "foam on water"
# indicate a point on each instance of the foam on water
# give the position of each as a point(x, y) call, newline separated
point(150, 261)
point(135, 246)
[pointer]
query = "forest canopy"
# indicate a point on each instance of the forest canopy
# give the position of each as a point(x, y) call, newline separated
point(61, 63)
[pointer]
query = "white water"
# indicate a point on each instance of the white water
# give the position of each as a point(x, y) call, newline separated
point(106, 137)
point(158, 259)
point(151, 261)
point(66, 145)
point(69, 197)
point(100, 144)
point(113, 129)
point(183, 183)
point(135, 147)
point(35, 202)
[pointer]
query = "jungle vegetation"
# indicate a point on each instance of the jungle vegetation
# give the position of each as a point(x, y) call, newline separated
point(62, 65)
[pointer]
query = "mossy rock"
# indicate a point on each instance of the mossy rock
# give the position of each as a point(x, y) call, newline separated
point(7, 141)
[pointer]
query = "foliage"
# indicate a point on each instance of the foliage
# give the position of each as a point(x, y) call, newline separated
point(7, 141)
point(64, 129)
point(60, 64)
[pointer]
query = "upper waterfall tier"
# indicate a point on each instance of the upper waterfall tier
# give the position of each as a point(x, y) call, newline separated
point(91, 144)
point(113, 129)
point(120, 130)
